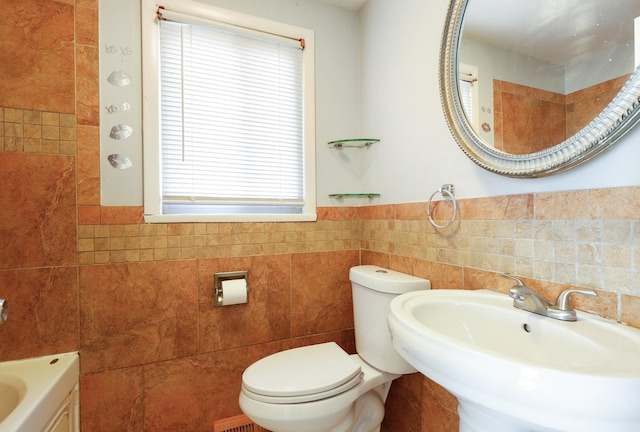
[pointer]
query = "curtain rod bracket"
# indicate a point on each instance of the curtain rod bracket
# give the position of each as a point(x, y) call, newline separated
point(159, 13)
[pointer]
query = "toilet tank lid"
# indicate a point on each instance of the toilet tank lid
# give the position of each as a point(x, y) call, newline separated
point(385, 280)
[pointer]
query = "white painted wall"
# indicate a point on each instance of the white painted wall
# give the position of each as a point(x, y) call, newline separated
point(401, 106)
point(377, 76)
point(337, 91)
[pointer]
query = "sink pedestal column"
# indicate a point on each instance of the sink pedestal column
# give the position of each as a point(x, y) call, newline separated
point(475, 418)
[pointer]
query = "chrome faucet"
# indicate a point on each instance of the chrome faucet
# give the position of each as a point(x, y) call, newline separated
point(4, 310)
point(529, 300)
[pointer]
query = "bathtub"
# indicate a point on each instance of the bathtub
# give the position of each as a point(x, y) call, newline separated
point(40, 394)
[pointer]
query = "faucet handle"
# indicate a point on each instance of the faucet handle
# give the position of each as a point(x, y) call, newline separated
point(512, 277)
point(563, 309)
point(564, 303)
point(517, 291)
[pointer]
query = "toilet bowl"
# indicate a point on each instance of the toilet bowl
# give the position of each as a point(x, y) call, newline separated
point(321, 388)
point(315, 395)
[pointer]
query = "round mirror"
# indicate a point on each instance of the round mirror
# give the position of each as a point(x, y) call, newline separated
point(532, 89)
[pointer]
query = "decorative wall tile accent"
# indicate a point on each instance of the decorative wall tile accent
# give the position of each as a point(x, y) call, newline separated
point(103, 244)
point(568, 241)
point(26, 131)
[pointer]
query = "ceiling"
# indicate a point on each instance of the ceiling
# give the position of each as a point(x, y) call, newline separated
point(557, 31)
point(551, 30)
point(347, 4)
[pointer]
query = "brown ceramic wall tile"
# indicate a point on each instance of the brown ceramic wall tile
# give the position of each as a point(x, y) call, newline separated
point(321, 292)
point(441, 275)
point(374, 258)
point(121, 215)
point(122, 391)
point(87, 26)
point(37, 210)
point(88, 165)
point(338, 213)
point(631, 310)
point(587, 103)
point(378, 212)
point(439, 410)
point(589, 204)
point(344, 338)
point(43, 313)
point(265, 318)
point(87, 85)
point(190, 394)
point(412, 211)
point(138, 313)
point(403, 408)
point(504, 207)
point(38, 47)
point(89, 215)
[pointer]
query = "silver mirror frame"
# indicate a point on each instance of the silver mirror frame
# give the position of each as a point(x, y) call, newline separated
point(612, 123)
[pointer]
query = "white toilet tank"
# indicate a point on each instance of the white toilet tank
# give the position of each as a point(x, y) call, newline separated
point(373, 289)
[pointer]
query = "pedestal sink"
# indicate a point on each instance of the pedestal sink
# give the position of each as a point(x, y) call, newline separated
point(515, 371)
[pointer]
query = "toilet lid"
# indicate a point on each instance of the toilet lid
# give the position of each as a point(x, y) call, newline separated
point(310, 370)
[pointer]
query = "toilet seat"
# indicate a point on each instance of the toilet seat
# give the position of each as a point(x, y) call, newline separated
point(303, 374)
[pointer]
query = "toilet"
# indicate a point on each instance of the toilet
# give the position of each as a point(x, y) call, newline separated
point(321, 388)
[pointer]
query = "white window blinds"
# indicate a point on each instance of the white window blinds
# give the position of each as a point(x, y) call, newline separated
point(231, 121)
point(466, 98)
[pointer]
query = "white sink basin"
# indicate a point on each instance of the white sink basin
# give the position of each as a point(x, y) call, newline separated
point(515, 371)
point(32, 390)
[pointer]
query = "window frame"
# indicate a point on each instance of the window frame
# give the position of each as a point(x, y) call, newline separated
point(151, 112)
point(470, 74)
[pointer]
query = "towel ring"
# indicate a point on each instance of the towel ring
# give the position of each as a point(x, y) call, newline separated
point(445, 190)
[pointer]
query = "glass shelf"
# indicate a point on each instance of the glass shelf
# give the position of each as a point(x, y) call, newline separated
point(354, 143)
point(354, 195)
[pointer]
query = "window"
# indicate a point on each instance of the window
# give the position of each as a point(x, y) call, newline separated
point(228, 116)
point(468, 85)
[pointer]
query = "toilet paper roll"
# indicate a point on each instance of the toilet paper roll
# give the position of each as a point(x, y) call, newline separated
point(234, 291)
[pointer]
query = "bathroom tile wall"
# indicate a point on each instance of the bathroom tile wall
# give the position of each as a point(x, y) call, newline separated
point(553, 240)
point(136, 299)
point(550, 117)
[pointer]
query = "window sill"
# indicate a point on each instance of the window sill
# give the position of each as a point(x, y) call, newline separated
point(187, 218)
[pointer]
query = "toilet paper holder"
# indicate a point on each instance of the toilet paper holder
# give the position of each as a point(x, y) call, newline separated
point(218, 278)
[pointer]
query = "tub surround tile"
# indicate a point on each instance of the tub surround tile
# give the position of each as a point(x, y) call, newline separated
point(265, 318)
point(138, 313)
point(321, 292)
point(86, 25)
point(122, 392)
point(43, 313)
point(88, 166)
point(38, 48)
point(87, 85)
point(37, 210)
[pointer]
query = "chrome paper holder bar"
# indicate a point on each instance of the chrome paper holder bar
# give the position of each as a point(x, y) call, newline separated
point(218, 294)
